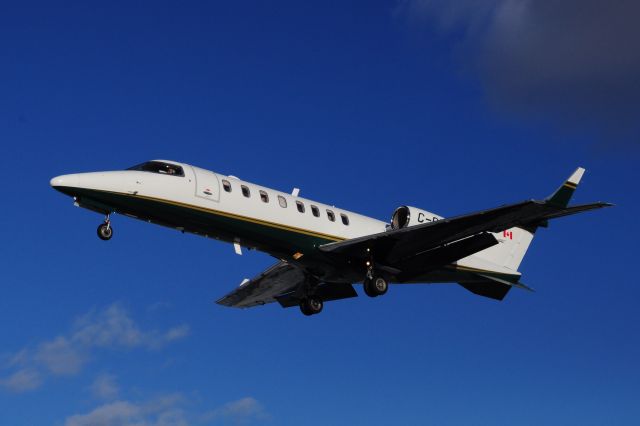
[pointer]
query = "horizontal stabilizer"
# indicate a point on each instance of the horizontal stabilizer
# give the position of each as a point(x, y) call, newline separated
point(488, 288)
point(492, 287)
point(500, 280)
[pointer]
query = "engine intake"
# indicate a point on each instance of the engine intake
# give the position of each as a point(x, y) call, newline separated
point(405, 216)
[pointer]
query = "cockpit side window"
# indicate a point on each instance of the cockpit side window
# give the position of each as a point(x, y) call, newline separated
point(160, 168)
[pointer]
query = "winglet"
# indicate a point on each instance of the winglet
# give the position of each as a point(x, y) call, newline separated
point(563, 195)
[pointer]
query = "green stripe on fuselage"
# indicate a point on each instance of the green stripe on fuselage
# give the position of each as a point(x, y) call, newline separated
point(266, 236)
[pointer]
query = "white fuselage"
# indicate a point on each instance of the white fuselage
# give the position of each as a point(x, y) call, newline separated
point(230, 209)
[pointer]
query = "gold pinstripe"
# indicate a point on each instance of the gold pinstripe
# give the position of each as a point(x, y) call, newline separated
point(233, 216)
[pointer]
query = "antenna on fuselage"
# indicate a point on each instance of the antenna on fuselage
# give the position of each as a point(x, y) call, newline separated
point(295, 192)
point(237, 248)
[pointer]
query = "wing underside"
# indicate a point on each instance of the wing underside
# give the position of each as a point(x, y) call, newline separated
point(286, 284)
point(279, 279)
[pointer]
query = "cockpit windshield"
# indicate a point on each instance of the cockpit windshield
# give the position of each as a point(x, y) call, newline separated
point(159, 167)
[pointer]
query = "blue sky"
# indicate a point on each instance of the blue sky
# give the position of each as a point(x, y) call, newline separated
point(368, 106)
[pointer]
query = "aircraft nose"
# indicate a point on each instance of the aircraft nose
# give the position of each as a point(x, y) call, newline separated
point(64, 180)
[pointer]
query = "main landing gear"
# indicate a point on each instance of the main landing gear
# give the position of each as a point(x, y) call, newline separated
point(105, 230)
point(375, 286)
point(311, 306)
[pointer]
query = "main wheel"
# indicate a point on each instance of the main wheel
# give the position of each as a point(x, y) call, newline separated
point(380, 285)
point(105, 232)
point(367, 285)
point(304, 309)
point(311, 306)
point(375, 287)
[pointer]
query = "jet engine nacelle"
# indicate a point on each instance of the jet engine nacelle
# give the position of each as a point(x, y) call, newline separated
point(406, 216)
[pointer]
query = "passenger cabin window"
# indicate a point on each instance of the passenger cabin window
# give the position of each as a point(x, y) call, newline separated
point(282, 201)
point(315, 210)
point(264, 196)
point(345, 218)
point(160, 168)
point(245, 191)
point(331, 215)
point(300, 206)
point(226, 185)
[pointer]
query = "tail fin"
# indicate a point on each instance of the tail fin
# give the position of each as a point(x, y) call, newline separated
point(515, 242)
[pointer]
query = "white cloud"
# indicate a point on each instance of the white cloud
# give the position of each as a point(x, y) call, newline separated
point(107, 328)
point(114, 413)
point(22, 380)
point(242, 411)
point(112, 327)
point(65, 355)
point(176, 333)
point(105, 387)
point(20, 358)
point(575, 62)
point(164, 411)
point(60, 356)
point(169, 410)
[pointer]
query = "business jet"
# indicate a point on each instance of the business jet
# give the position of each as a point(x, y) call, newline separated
point(323, 250)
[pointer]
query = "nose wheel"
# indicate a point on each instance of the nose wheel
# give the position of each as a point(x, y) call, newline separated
point(105, 230)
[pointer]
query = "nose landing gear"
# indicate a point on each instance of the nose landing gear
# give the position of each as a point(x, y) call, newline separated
point(105, 230)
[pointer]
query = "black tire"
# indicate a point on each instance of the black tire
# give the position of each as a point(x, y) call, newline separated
point(367, 285)
point(105, 232)
point(304, 308)
point(380, 285)
point(375, 287)
point(311, 306)
point(315, 305)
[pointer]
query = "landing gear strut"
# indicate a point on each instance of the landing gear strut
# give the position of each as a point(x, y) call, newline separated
point(105, 230)
point(375, 286)
point(311, 306)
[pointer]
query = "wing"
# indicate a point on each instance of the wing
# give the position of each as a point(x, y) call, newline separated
point(276, 280)
point(397, 246)
point(405, 252)
point(286, 284)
